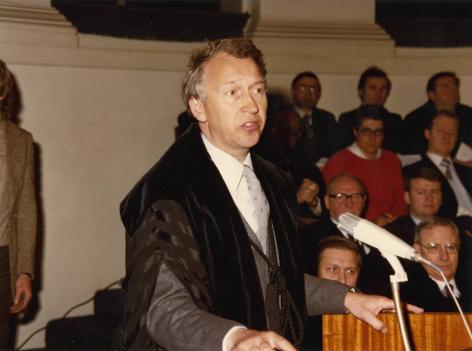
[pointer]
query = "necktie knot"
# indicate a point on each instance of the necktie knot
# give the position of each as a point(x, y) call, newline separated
point(446, 164)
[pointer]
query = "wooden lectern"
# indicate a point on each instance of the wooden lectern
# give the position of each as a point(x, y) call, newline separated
point(430, 331)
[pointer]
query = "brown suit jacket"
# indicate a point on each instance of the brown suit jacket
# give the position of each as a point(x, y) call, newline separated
point(20, 199)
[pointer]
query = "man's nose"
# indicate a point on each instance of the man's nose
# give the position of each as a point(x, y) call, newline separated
point(443, 254)
point(250, 104)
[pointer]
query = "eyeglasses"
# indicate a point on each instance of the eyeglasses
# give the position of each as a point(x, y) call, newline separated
point(342, 197)
point(367, 132)
point(305, 88)
point(434, 248)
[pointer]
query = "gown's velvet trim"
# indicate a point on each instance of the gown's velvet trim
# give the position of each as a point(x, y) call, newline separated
point(186, 175)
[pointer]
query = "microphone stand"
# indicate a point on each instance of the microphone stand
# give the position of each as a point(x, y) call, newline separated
point(395, 279)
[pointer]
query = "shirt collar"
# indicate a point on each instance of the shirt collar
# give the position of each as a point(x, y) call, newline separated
point(415, 220)
point(229, 167)
point(437, 159)
point(300, 112)
point(355, 149)
point(451, 282)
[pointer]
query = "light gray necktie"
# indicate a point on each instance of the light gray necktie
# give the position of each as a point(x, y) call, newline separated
point(261, 206)
point(446, 164)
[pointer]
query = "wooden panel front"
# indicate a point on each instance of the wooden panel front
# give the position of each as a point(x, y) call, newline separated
point(431, 331)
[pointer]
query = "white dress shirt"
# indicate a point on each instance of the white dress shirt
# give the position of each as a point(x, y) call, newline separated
point(464, 201)
point(442, 286)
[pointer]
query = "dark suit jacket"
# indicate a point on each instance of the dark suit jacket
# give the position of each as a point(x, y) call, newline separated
point(322, 138)
point(420, 290)
point(182, 214)
point(418, 120)
point(393, 138)
point(404, 228)
point(449, 202)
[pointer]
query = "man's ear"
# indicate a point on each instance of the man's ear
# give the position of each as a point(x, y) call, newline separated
point(427, 133)
point(196, 106)
point(406, 195)
point(326, 201)
point(361, 94)
point(355, 132)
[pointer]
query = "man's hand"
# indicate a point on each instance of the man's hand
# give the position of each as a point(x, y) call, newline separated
point(307, 192)
point(367, 307)
point(23, 293)
point(384, 219)
point(253, 340)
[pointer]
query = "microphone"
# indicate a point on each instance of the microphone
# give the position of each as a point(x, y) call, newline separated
point(375, 236)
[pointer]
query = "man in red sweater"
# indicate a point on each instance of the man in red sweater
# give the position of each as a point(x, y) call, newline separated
point(379, 170)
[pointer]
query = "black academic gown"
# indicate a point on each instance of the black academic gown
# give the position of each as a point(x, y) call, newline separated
point(182, 213)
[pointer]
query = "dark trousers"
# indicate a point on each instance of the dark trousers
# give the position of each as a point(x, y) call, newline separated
point(5, 295)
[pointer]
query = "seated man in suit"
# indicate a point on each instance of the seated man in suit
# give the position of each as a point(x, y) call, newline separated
point(344, 193)
point(423, 196)
point(436, 239)
point(337, 258)
point(319, 128)
point(373, 88)
point(456, 189)
point(378, 169)
point(443, 94)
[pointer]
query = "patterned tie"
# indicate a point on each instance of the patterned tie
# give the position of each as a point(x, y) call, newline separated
point(446, 164)
point(261, 206)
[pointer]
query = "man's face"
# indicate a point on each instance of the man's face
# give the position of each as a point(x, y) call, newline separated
point(306, 93)
point(232, 112)
point(354, 201)
point(375, 91)
point(424, 198)
point(433, 246)
point(369, 137)
point(339, 264)
point(442, 136)
point(446, 93)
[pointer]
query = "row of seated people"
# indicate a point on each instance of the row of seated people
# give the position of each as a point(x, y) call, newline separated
point(437, 239)
point(323, 135)
point(379, 169)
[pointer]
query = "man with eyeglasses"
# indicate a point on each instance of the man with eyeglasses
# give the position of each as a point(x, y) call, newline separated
point(373, 88)
point(320, 136)
point(423, 196)
point(344, 193)
point(378, 169)
point(456, 188)
point(436, 239)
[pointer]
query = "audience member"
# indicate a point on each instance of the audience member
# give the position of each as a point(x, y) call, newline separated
point(373, 88)
point(436, 239)
point(441, 135)
point(287, 152)
point(337, 259)
point(18, 211)
point(320, 137)
point(443, 94)
point(344, 193)
point(378, 169)
point(423, 196)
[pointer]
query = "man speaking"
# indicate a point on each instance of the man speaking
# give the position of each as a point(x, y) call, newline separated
point(213, 260)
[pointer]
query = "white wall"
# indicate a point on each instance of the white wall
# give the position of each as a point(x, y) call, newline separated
point(98, 131)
